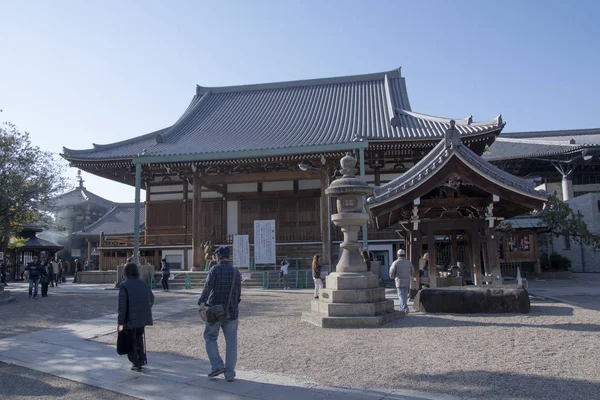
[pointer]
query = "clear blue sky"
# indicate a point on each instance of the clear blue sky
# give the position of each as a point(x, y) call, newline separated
point(73, 73)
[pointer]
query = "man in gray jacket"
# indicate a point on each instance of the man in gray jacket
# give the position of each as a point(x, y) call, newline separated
point(135, 312)
point(401, 271)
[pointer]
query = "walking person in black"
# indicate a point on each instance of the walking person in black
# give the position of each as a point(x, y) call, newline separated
point(165, 268)
point(135, 313)
point(46, 278)
point(3, 268)
point(35, 270)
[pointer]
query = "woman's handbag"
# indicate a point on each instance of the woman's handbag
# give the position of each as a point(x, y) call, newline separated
point(220, 313)
point(123, 341)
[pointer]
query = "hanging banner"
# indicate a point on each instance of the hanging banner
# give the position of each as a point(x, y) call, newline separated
point(241, 251)
point(264, 242)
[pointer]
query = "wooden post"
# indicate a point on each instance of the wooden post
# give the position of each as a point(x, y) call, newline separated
point(454, 250)
point(415, 258)
point(325, 221)
point(197, 249)
point(476, 254)
point(432, 256)
point(156, 259)
point(493, 261)
point(89, 253)
point(101, 252)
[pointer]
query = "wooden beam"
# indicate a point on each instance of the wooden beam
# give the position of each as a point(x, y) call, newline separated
point(276, 194)
point(261, 177)
point(476, 254)
point(212, 186)
point(325, 222)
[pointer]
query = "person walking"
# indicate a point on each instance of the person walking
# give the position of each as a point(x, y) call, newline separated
point(54, 280)
point(401, 271)
point(46, 278)
point(3, 269)
point(135, 313)
point(316, 274)
point(284, 270)
point(367, 260)
point(61, 271)
point(223, 286)
point(165, 268)
point(35, 270)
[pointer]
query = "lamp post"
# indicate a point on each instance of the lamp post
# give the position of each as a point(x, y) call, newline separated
point(325, 221)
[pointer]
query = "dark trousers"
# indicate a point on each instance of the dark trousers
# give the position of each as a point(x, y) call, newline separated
point(54, 281)
point(165, 282)
point(45, 289)
point(3, 279)
point(137, 354)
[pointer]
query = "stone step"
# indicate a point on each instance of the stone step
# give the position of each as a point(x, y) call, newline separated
point(351, 322)
point(351, 309)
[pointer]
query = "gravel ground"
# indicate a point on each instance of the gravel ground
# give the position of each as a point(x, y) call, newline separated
point(549, 353)
point(22, 383)
point(27, 315)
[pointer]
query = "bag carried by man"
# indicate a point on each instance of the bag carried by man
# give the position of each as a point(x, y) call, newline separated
point(220, 313)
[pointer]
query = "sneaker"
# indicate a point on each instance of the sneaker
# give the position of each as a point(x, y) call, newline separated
point(216, 372)
point(136, 368)
point(316, 297)
point(230, 379)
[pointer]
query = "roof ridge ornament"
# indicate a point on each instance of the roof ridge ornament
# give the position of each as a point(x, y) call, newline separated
point(452, 136)
point(499, 121)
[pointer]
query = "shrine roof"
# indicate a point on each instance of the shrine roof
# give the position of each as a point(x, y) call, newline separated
point(37, 243)
point(117, 221)
point(290, 115)
point(541, 144)
point(80, 196)
point(427, 167)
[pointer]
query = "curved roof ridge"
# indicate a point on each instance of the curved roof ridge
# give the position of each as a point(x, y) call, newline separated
point(468, 121)
point(115, 144)
point(536, 141)
point(395, 73)
point(563, 132)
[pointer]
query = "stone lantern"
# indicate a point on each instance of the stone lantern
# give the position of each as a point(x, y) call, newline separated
point(353, 297)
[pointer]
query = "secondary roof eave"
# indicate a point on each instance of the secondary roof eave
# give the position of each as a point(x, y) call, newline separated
point(249, 153)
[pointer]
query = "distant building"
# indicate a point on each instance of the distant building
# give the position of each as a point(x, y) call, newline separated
point(33, 246)
point(74, 211)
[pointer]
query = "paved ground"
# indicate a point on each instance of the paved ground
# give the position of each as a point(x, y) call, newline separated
point(549, 353)
point(583, 290)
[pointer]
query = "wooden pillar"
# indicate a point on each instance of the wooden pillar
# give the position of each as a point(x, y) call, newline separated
point(492, 259)
point(89, 252)
point(476, 254)
point(415, 258)
point(101, 252)
point(454, 250)
point(156, 259)
point(325, 221)
point(197, 250)
point(432, 257)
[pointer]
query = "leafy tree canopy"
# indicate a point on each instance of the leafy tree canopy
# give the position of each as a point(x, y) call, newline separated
point(558, 219)
point(29, 178)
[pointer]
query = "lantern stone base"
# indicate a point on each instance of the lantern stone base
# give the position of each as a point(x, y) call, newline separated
point(351, 300)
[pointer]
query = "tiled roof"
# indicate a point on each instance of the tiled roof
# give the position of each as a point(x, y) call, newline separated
point(293, 114)
point(79, 196)
point(541, 144)
point(524, 222)
point(436, 159)
point(117, 221)
point(37, 243)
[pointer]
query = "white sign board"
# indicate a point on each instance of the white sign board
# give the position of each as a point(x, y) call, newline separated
point(264, 242)
point(241, 251)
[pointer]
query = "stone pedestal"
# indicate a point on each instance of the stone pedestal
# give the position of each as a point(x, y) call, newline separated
point(5, 296)
point(353, 298)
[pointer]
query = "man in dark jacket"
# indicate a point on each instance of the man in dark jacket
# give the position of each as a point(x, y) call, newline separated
point(46, 278)
point(135, 312)
point(35, 270)
point(165, 268)
point(223, 286)
point(3, 269)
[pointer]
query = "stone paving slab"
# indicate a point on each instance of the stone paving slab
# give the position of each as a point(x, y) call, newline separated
point(67, 352)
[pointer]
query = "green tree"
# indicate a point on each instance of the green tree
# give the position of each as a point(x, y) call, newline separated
point(558, 218)
point(29, 178)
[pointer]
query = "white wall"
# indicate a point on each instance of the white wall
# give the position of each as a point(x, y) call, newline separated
point(277, 186)
point(242, 187)
point(309, 184)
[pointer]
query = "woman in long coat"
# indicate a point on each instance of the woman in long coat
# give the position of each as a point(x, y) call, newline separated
point(135, 313)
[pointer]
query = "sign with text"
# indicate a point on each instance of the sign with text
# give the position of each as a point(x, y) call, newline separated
point(264, 242)
point(241, 251)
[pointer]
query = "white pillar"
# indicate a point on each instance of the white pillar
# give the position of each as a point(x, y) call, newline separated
point(567, 188)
